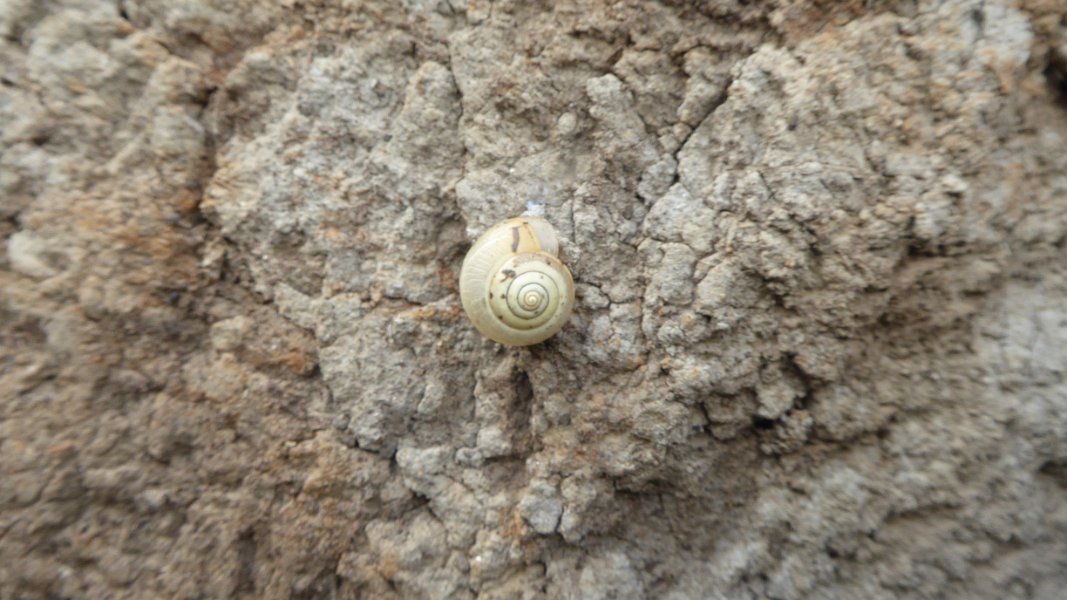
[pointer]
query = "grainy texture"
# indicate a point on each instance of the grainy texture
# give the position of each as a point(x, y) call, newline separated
point(820, 348)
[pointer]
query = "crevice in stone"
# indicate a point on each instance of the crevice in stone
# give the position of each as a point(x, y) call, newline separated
point(1056, 471)
point(1056, 76)
point(246, 557)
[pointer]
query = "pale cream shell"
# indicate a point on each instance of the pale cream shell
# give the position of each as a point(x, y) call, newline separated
point(522, 247)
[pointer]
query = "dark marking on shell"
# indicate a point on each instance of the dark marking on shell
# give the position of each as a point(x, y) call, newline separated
point(508, 274)
point(514, 239)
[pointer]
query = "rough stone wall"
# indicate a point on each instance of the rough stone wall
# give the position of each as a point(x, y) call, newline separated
point(820, 349)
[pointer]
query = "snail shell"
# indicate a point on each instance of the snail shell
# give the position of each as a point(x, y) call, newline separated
point(512, 284)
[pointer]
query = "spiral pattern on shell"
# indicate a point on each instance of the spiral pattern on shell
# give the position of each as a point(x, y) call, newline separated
point(513, 286)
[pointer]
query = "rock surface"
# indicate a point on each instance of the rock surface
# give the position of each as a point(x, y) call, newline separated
point(820, 349)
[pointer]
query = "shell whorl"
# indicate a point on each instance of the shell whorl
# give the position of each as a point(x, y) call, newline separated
point(512, 284)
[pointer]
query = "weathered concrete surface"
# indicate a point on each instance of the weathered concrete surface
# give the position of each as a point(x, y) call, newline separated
point(820, 349)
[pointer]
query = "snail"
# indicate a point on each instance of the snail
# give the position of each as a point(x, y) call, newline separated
point(512, 284)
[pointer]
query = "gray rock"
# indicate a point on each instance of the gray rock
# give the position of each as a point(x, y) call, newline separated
point(818, 350)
